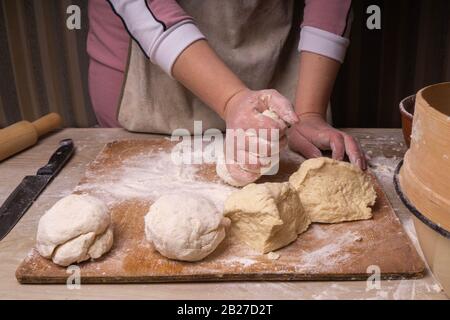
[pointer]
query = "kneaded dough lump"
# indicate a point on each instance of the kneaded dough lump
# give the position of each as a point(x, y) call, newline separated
point(333, 191)
point(185, 226)
point(266, 216)
point(75, 229)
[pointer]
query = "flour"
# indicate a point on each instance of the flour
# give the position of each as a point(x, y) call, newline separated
point(330, 254)
point(245, 262)
point(406, 290)
point(417, 134)
point(384, 167)
point(273, 256)
point(150, 175)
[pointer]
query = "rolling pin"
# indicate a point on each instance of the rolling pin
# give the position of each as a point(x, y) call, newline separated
point(24, 134)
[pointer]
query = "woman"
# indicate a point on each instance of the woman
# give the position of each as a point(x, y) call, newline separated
point(214, 60)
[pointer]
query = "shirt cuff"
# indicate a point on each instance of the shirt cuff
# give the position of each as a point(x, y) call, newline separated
point(323, 42)
point(175, 40)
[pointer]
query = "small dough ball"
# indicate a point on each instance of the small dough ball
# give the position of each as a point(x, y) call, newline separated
point(185, 226)
point(75, 229)
point(333, 191)
point(266, 216)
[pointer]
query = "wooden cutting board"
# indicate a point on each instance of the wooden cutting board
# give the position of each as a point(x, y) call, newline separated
point(341, 251)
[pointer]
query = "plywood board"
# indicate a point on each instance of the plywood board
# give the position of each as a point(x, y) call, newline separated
point(341, 251)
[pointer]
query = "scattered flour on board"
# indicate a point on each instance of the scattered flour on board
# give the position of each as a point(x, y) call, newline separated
point(331, 253)
point(273, 256)
point(150, 175)
point(245, 262)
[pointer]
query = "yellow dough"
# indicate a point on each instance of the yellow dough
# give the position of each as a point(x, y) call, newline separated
point(266, 216)
point(333, 191)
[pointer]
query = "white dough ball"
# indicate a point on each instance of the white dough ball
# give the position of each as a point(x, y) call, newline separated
point(185, 226)
point(75, 229)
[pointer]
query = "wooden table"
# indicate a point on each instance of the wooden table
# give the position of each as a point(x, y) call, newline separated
point(13, 248)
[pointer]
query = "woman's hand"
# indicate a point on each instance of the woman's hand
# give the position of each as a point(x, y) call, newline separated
point(245, 110)
point(312, 134)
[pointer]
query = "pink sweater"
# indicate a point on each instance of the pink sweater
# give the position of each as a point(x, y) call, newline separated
point(163, 30)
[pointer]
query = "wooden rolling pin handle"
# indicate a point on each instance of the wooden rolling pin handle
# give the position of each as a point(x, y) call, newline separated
point(47, 123)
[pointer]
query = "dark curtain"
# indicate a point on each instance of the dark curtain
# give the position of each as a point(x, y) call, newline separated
point(411, 51)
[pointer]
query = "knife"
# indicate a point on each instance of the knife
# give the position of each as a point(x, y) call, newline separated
point(29, 189)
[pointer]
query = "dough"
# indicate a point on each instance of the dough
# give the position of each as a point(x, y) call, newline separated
point(75, 229)
point(266, 216)
point(271, 114)
point(333, 191)
point(102, 244)
point(185, 226)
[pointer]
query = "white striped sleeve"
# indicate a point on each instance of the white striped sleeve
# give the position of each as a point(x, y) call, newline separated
point(161, 44)
point(323, 42)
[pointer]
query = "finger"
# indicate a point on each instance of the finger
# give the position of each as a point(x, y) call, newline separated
point(242, 176)
point(271, 168)
point(282, 144)
point(256, 145)
point(363, 155)
point(282, 107)
point(259, 144)
point(269, 147)
point(268, 134)
point(252, 160)
point(269, 123)
point(354, 152)
point(300, 144)
point(337, 146)
point(248, 161)
point(266, 159)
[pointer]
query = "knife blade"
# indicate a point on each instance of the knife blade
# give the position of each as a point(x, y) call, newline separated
point(29, 189)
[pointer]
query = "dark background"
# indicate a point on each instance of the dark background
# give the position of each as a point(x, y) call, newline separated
point(412, 50)
point(43, 65)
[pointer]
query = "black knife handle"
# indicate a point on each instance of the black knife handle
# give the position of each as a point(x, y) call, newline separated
point(58, 159)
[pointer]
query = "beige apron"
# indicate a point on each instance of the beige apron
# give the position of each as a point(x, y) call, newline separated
point(257, 39)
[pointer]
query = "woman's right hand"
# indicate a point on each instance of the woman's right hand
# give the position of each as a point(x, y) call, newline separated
point(244, 110)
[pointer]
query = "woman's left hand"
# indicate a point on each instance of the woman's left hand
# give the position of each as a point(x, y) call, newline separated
point(312, 134)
